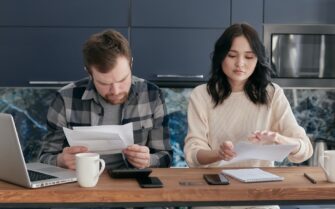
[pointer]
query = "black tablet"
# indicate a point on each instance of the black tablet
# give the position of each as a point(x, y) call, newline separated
point(130, 172)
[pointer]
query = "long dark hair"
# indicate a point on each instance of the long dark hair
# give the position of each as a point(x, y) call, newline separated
point(255, 88)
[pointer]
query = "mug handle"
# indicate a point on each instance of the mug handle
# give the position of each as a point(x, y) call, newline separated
point(321, 162)
point(102, 162)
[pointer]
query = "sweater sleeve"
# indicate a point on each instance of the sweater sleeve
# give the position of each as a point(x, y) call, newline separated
point(197, 135)
point(284, 122)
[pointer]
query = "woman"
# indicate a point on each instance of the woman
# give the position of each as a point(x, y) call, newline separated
point(239, 103)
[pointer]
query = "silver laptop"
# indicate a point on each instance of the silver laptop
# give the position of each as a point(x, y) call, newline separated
point(15, 170)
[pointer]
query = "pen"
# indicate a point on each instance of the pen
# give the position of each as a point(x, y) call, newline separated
point(312, 180)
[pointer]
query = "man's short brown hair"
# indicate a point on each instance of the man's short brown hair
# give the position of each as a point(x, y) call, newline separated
point(102, 49)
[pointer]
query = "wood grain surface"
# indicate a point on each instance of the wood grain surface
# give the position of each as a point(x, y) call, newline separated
point(182, 186)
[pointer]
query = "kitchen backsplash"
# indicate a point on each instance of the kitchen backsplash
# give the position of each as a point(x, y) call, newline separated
point(314, 110)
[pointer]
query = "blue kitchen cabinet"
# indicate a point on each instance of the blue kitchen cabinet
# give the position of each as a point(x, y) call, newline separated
point(250, 12)
point(172, 40)
point(180, 13)
point(164, 54)
point(70, 13)
point(47, 55)
point(41, 40)
point(299, 11)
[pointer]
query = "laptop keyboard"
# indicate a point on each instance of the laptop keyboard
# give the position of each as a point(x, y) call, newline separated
point(37, 176)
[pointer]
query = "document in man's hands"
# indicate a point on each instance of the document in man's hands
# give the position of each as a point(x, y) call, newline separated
point(106, 139)
point(252, 175)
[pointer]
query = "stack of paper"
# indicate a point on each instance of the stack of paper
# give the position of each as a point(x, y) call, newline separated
point(107, 139)
point(252, 175)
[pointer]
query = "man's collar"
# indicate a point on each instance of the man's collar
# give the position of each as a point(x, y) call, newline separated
point(90, 91)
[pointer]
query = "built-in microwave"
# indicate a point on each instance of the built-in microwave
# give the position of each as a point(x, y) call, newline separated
point(301, 55)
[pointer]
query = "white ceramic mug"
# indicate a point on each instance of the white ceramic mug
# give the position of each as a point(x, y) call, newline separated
point(327, 163)
point(88, 168)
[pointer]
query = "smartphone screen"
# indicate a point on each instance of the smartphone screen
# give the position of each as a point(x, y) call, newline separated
point(216, 179)
point(150, 182)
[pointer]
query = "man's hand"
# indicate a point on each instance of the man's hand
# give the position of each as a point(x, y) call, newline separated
point(67, 158)
point(138, 156)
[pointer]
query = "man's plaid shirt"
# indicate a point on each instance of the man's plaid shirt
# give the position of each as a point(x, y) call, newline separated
point(77, 104)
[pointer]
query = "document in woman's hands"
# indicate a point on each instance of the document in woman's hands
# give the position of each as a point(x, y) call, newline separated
point(251, 151)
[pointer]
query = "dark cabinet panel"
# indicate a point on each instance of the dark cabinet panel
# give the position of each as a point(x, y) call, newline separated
point(41, 40)
point(172, 52)
point(97, 13)
point(180, 13)
point(250, 12)
point(42, 54)
point(299, 11)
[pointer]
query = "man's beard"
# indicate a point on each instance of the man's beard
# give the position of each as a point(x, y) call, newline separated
point(116, 99)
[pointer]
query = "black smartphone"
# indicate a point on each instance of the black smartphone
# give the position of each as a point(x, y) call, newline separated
point(216, 179)
point(150, 182)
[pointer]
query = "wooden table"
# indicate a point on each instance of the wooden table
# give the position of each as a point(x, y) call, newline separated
point(295, 189)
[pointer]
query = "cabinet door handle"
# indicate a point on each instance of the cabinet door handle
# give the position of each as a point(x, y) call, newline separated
point(179, 76)
point(49, 82)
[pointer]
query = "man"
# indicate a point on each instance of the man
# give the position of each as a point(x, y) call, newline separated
point(109, 96)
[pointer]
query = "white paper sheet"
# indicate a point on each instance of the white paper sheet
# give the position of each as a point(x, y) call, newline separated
point(250, 151)
point(106, 139)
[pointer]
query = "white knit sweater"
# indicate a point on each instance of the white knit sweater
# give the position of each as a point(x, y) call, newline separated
point(235, 119)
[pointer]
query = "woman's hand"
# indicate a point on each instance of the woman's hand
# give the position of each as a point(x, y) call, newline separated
point(226, 151)
point(264, 137)
point(269, 137)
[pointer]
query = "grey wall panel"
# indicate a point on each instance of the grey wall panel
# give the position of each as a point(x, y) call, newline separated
point(64, 13)
point(42, 54)
point(180, 13)
point(172, 51)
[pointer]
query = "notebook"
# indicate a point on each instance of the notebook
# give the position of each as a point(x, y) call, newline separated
point(15, 170)
point(252, 175)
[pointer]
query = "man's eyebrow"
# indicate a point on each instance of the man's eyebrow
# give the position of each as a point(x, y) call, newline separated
point(122, 79)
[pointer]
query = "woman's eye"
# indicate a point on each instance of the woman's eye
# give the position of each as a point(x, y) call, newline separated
point(250, 57)
point(231, 55)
